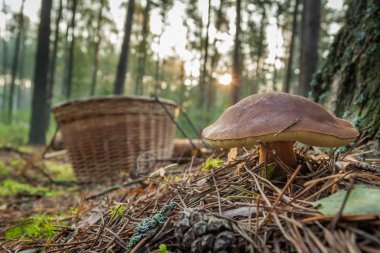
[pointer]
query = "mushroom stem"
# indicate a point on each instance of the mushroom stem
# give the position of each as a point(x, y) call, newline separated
point(284, 150)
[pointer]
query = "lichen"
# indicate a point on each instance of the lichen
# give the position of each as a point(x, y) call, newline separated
point(150, 226)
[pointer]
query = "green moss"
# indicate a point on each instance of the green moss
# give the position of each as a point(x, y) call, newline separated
point(9, 188)
point(37, 226)
point(4, 172)
point(60, 171)
point(211, 163)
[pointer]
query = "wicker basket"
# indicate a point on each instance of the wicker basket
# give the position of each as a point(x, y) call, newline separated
point(105, 136)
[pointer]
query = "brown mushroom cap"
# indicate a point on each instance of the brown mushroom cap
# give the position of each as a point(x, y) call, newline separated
point(261, 116)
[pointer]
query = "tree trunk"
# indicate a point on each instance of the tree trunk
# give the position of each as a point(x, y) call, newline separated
point(123, 60)
point(260, 53)
point(96, 49)
point(214, 59)
point(50, 86)
point(21, 70)
point(204, 71)
point(311, 15)
point(278, 25)
point(289, 67)
point(236, 73)
point(39, 106)
point(70, 64)
point(65, 58)
point(51, 73)
point(157, 76)
point(5, 60)
point(15, 63)
point(141, 58)
point(351, 72)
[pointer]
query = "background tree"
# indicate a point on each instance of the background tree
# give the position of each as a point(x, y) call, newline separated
point(142, 51)
point(22, 66)
point(123, 60)
point(289, 67)
point(236, 72)
point(4, 69)
point(53, 59)
point(350, 79)
point(68, 78)
point(310, 26)
point(97, 40)
point(40, 111)
point(219, 21)
point(260, 51)
point(158, 73)
point(15, 63)
point(205, 55)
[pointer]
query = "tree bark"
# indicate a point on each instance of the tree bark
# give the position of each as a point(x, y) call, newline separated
point(96, 49)
point(123, 60)
point(70, 64)
point(260, 53)
point(21, 74)
point(311, 15)
point(350, 76)
point(204, 71)
point(39, 106)
point(158, 74)
point(214, 58)
point(5, 60)
point(278, 25)
point(289, 67)
point(236, 73)
point(50, 86)
point(141, 58)
point(15, 63)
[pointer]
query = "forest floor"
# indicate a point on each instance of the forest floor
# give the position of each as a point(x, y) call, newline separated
point(330, 203)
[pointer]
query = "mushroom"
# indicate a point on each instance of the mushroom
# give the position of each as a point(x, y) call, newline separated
point(278, 120)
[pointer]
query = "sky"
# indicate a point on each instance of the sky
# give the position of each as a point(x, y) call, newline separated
point(173, 40)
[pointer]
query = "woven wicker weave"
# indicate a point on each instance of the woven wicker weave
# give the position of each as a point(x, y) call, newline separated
point(104, 136)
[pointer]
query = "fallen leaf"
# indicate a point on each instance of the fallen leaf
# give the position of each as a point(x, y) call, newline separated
point(362, 200)
point(232, 154)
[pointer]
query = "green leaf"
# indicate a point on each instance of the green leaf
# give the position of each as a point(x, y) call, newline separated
point(362, 200)
point(163, 248)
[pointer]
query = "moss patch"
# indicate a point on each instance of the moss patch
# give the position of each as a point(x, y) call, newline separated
point(11, 188)
point(38, 226)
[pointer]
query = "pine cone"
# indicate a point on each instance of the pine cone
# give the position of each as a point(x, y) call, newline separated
point(200, 232)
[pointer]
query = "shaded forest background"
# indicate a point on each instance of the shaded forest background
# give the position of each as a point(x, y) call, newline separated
point(230, 49)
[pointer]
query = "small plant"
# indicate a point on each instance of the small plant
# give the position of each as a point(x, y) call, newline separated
point(117, 210)
point(163, 248)
point(212, 163)
point(38, 226)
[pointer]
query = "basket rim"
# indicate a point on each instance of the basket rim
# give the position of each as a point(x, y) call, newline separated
point(110, 97)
